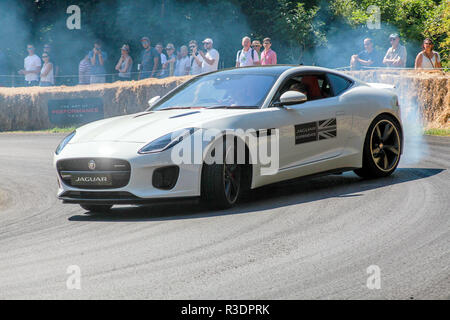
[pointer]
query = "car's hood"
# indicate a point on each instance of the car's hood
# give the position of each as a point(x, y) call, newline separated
point(146, 126)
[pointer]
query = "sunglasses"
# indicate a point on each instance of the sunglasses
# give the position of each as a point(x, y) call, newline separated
point(192, 47)
point(44, 57)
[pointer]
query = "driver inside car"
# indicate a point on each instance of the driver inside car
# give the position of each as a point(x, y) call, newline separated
point(299, 87)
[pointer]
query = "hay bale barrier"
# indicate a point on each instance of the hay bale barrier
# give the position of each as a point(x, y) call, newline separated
point(427, 92)
point(27, 108)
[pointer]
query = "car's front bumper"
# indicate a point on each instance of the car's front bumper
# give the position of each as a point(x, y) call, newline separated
point(139, 188)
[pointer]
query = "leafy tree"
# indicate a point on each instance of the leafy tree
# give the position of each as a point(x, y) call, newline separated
point(299, 26)
point(412, 19)
point(437, 27)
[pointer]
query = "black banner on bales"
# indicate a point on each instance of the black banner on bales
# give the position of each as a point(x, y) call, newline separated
point(66, 112)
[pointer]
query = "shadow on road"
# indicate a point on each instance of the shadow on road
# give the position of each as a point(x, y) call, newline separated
point(278, 195)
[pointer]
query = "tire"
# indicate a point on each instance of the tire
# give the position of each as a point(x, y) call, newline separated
point(382, 148)
point(95, 208)
point(222, 183)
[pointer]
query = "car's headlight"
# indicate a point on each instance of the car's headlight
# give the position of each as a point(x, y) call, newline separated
point(64, 142)
point(167, 141)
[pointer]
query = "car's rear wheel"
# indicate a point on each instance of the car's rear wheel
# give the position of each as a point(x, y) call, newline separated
point(222, 182)
point(382, 148)
point(94, 208)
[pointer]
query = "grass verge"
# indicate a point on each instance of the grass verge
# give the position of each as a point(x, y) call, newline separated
point(53, 130)
point(438, 132)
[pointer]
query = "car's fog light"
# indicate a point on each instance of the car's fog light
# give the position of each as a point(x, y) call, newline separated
point(166, 177)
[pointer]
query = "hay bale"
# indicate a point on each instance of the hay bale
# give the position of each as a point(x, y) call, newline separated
point(427, 91)
point(27, 108)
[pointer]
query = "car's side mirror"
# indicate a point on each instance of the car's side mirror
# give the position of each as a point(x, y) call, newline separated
point(292, 97)
point(153, 100)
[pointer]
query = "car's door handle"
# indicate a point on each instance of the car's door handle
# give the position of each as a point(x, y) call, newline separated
point(340, 113)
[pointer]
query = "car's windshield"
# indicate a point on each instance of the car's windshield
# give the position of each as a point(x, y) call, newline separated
point(220, 90)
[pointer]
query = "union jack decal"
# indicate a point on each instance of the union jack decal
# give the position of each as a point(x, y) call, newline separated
point(315, 131)
point(327, 129)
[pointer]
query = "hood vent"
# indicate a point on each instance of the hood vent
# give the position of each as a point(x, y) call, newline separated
point(143, 114)
point(184, 114)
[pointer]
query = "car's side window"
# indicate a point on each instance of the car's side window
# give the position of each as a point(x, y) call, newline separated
point(339, 84)
point(314, 86)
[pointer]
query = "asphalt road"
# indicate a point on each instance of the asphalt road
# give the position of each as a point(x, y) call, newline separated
point(296, 240)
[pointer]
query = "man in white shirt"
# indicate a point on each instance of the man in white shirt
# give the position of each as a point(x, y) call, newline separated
point(211, 58)
point(396, 55)
point(247, 56)
point(32, 67)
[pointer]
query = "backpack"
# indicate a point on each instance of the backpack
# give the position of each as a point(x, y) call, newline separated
point(253, 54)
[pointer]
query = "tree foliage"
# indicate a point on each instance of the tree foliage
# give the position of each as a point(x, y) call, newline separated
point(311, 32)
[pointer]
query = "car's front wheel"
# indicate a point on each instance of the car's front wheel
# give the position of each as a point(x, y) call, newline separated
point(94, 208)
point(222, 182)
point(382, 148)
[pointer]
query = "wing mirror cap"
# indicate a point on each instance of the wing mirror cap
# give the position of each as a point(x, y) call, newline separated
point(153, 100)
point(292, 97)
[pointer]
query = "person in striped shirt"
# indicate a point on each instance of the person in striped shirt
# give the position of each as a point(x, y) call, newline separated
point(84, 71)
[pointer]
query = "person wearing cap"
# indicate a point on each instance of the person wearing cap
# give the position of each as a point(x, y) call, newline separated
point(256, 45)
point(125, 64)
point(246, 56)
point(396, 55)
point(210, 58)
point(98, 59)
point(149, 60)
point(268, 56)
point(169, 65)
point(32, 67)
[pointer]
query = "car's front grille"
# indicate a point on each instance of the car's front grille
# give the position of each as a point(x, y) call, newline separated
point(116, 171)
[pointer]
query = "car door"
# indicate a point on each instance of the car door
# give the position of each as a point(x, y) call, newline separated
point(315, 130)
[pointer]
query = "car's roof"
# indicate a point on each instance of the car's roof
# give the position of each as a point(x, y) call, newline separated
point(271, 69)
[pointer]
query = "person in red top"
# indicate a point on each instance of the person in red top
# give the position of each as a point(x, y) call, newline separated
point(268, 56)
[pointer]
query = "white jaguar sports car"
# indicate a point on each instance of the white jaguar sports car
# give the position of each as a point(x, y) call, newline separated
point(223, 133)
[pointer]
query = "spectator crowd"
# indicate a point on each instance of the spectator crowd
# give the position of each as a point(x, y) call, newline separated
point(395, 56)
point(166, 61)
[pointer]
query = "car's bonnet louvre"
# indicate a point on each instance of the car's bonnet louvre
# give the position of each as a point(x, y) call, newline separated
point(143, 114)
point(184, 114)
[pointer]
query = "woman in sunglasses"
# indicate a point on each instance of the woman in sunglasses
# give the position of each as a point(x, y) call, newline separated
point(427, 58)
point(47, 78)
